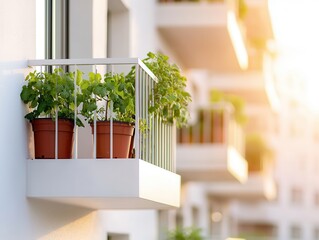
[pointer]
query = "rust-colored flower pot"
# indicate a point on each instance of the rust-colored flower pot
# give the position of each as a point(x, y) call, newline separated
point(44, 138)
point(122, 139)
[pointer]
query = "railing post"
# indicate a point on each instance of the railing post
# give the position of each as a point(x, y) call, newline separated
point(111, 122)
point(94, 126)
point(137, 112)
point(56, 134)
point(75, 150)
point(56, 127)
point(174, 148)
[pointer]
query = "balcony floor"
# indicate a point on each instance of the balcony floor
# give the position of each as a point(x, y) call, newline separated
point(257, 187)
point(103, 184)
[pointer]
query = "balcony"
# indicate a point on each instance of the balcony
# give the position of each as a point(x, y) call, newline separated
point(213, 149)
point(146, 179)
point(260, 184)
point(204, 35)
point(252, 86)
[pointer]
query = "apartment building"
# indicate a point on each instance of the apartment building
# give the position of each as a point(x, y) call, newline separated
point(40, 202)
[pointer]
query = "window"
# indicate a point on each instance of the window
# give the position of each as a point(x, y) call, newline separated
point(302, 162)
point(296, 195)
point(316, 199)
point(316, 233)
point(117, 236)
point(295, 233)
point(316, 132)
point(195, 216)
point(52, 29)
point(57, 39)
point(179, 219)
point(316, 163)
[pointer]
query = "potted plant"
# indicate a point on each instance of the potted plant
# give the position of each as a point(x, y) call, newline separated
point(170, 96)
point(45, 93)
point(97, 97)
point(215, 117)
point(238, 106)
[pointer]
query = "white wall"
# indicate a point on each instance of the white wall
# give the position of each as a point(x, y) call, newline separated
point(138, 224)
point(16, 44)
point(118, 32)
point(143, 31)
point(20, 218)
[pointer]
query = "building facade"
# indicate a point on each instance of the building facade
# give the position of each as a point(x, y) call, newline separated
point(208, 41)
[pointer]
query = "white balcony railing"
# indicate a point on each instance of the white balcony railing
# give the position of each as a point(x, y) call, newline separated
point(156, 145)
point(215, 125)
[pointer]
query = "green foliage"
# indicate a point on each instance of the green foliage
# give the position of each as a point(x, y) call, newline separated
point(45, 92)
point(185, 234)
point(242, 9)
point(256, 150)
point(170, 97)
point(237, 102)
point(112, 88)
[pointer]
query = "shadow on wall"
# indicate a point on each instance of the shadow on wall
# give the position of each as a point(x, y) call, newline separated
point(23, 218)
point(55, 221)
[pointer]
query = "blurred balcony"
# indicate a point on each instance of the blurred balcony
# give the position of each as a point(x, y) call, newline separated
point(213, 149)
point(144, 181)
point(204, 34)
point(256, 86)
point(260, 184)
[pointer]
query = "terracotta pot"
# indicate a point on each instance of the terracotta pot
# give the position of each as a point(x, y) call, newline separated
point(122, 139)
point(44, 138)
point(217, 128)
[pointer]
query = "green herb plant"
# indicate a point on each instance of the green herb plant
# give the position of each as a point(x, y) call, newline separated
point(97, 94)
point(169, 94)
point(47, 92)
point(237, 102)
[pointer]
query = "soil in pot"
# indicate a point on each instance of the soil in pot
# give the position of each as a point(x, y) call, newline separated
point(122, 139)
point(44, 138)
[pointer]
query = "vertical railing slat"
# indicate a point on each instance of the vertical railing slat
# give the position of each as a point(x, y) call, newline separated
point(137, 113)
point(94, 126)
point(75, 150)
point(111, 121)
point(56, 147)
